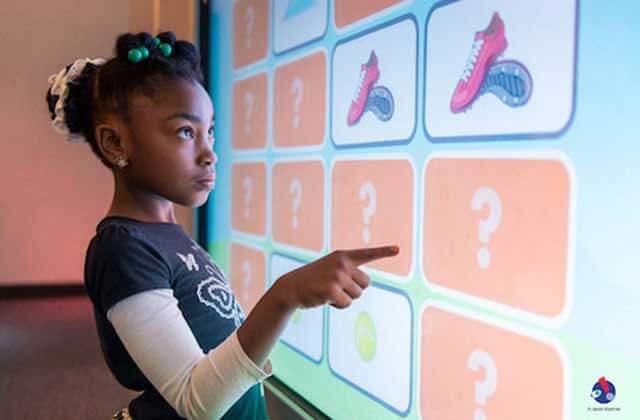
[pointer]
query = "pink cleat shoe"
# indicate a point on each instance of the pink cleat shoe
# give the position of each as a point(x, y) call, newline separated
point(369, 74)
point(487, 46)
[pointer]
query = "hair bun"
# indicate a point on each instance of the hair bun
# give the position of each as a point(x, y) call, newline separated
point(167, 37)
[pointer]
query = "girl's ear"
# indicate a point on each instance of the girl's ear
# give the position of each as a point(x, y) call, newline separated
point(109, 141)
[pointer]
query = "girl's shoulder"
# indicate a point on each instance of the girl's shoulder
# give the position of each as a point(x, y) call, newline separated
point(121, 260)
point(116, 229)
point(127, 239)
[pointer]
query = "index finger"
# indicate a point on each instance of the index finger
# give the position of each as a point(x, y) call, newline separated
point(364, 255)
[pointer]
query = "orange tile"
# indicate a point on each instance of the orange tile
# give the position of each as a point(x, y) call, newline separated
point(247, 275)
point(250, 31)
point(468, 366)
point(248, 184)
point(250, 113)
point(372, 205)
point(300, 102)
point(349, 11)
point(523, 259)
point(298, 205)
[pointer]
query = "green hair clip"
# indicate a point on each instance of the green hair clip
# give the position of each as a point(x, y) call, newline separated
point(165, 49)
point(136, 55)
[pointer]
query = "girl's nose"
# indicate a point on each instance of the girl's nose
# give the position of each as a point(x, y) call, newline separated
point(209, 159)
point(207, 155)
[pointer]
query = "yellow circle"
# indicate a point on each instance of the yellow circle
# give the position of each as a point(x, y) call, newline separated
point(365, 336)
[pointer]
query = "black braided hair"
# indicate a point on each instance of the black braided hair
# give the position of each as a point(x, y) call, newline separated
point(118, 79)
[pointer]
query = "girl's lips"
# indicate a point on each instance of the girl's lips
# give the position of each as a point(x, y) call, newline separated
point(208, 178)
point(206, 183)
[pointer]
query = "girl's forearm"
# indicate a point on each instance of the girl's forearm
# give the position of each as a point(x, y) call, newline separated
point(264, 325)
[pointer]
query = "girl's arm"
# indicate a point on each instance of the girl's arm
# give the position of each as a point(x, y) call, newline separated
point(204, 386)
point(333, 279)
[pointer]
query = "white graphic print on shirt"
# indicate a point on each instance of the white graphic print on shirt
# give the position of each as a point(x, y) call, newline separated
point(213, 291)
point(189, 261)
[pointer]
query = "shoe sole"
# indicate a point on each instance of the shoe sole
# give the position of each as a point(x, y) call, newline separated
point(380, 103)
point(509, 81)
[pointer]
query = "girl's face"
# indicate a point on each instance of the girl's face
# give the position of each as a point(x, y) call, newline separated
point(170, 149)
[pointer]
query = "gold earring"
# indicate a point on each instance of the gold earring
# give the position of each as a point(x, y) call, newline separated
point(121, 161)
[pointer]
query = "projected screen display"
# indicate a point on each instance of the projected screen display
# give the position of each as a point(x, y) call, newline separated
point(496, 142)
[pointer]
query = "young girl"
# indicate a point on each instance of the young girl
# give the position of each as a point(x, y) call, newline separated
point(167, 320)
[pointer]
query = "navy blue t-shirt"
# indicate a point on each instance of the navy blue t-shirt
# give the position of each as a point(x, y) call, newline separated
point(128, 256)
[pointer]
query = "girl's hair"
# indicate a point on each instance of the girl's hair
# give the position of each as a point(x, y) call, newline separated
point(106, 89)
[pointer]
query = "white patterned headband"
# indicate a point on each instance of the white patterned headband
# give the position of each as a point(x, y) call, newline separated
point(60, 86)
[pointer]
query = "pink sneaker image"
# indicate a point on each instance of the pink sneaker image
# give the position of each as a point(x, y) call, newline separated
point(369, 75)
point(487, 46)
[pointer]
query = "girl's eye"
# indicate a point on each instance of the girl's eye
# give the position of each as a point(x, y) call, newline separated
point(211, 134)
point(186, 130)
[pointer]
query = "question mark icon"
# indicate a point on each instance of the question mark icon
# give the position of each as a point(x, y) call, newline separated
point(482, 196)
point(249, 16)
point(368, 192)
point(246, 270)
point(247, 186)
point(297, 89)
point(296, 189)
point(248, 102)
point(485, 389)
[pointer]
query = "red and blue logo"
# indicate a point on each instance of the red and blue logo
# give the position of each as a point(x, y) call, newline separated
point(603, 391)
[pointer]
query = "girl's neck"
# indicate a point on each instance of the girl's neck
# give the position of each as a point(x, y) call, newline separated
point(143, 216)
point(140, 205)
